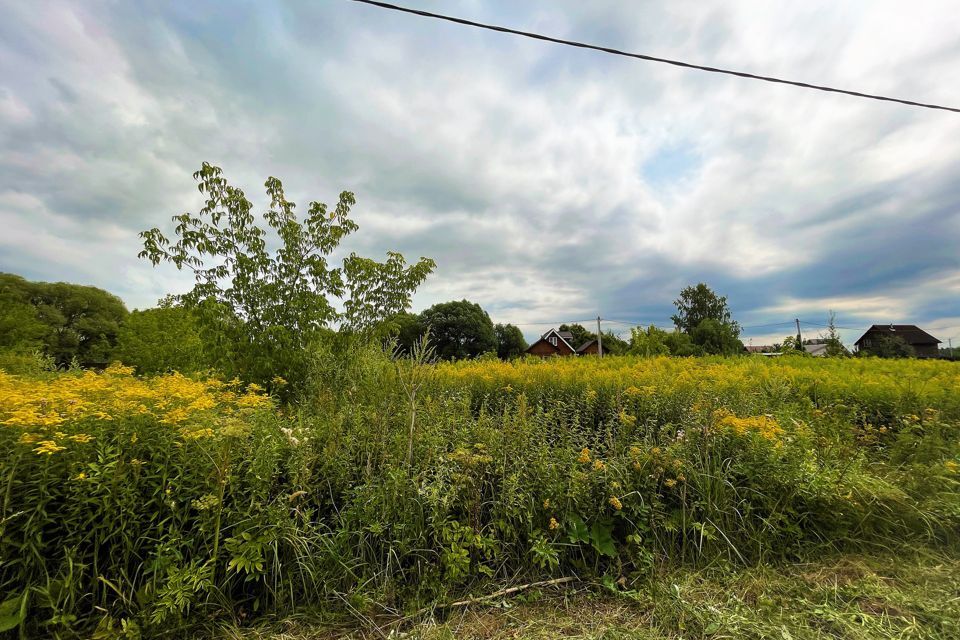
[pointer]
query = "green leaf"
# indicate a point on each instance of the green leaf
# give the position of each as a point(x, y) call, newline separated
point(602, 540)
point(12, 612)
point(577, 530)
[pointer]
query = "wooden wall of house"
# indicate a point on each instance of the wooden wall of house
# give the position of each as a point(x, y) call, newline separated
point(927, 350)
point(544, 349)
point(591, 350)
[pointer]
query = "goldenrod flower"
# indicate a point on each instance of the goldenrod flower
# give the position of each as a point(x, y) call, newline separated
point(546, 503)
point(48, 448)
point(615, 503)
point(598, 465)
point(584, 456)
point(670, 482)
point(554, 524)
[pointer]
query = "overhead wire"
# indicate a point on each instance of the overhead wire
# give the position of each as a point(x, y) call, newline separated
point(650, 58)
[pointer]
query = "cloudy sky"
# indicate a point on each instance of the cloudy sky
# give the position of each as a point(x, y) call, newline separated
point(550, 184)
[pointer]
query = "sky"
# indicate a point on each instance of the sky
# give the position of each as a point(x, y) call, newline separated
point(550, 184)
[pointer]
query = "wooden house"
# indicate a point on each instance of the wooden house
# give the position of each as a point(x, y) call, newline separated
point(560, 343)
point(924, 345)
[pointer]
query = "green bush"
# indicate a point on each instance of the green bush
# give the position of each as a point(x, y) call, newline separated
point(149, 504)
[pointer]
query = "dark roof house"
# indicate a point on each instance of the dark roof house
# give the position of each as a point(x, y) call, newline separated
point(560, 343)
point(553, 343)
point(924, 344)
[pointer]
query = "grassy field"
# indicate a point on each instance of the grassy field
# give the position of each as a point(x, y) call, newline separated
point(687, 494)
point(914, 593)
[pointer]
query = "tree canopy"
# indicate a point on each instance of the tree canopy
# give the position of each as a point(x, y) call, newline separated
point(67, 321)
point(649, 342)
point(698, 303)
point(163, 339)
point(264, 288)
point(459, 329)
point(887, 346)
point(510, 341)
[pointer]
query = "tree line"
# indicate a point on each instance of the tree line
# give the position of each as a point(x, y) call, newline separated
point(266, 294)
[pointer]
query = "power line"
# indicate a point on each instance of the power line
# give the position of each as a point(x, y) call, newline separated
point(640, 56)
point(827, 326)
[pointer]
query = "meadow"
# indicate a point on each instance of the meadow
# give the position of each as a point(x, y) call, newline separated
point(147, 506)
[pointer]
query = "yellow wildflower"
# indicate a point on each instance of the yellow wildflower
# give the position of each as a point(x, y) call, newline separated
point(81, 437)
point(80, 476)
point(546, 503)
point(195, 434)
point(670, 482)
point(584, 456)
point(615, 503)
point(47, 448)
point(554, 524)
point(598, 465)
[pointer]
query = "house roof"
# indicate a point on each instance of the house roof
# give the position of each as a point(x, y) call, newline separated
point(911, 333)
point(585, 345)
point(817, 349)
point(759, 349)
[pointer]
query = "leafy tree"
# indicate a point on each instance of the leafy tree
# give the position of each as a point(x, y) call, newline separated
point(163, 339)
point(649, 342)
point(887, 346)
point(459, 329)
point(699, 303)
point(716, 338)
point(614, 345)
point(407, 328)
point(69, 321)
point(682, 345)
point(835, 347)
point(580, 334)
point(20, 326)
point(510, 341)
point(259, 306)
point(791, 344)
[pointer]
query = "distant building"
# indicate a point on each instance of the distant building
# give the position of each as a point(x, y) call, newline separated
point(589, 348)
point(553, 343)
point(924, 344)
point(560, 343)
point(762, 350)
point(816, 347)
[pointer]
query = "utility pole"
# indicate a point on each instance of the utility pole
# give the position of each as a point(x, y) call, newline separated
point(799, 339)
point(599, 339)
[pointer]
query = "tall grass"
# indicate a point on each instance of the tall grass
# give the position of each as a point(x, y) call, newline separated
point(136, 506)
